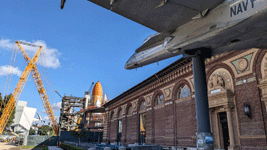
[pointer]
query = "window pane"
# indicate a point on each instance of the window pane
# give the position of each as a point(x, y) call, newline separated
point(159, 99)
point(142, 105)
point(120, 126)
point(183, 92)
point(143, 122)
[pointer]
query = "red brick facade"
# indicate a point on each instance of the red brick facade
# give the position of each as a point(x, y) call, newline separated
point(235, 80)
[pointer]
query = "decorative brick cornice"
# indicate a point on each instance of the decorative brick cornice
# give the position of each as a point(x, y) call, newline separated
point(167, 75)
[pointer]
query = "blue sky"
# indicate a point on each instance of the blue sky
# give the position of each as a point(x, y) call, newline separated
point(82, 43)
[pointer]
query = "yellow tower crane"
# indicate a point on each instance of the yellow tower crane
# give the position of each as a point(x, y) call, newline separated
point(31, 67)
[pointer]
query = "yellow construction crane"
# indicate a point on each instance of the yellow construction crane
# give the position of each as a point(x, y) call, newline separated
point(31, 67)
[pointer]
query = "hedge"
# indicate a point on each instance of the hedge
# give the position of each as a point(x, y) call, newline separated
point(70, 147)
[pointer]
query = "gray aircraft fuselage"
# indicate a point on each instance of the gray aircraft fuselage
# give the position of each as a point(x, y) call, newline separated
point(233, 25)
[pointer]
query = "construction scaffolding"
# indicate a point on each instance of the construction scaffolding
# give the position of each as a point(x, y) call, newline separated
point(94, 118)
point(70, 118)
point(85, 116)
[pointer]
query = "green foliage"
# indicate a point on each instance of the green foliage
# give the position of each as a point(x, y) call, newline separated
point(39, 147)
point(32, 131)
point(44, 130)
point(3, 103)
point(1, 100)
point(68, 147)
point(78, 134)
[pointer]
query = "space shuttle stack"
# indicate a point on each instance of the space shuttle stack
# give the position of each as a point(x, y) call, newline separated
point(97, 95)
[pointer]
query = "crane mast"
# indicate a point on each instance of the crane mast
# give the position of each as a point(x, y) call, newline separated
point(40, 87)
point(31, 67)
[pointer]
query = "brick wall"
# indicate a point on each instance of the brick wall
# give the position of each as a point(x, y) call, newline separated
point(174, 124)
point(251, 129)
point(129, 131)
point(135, 128)
point(124, 126)
point(169, 136)
point(186, 123)
point(113, 131)
point(159, 127)
point(149, 127)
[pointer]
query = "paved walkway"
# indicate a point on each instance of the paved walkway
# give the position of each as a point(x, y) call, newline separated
point(6, 146)
point(54, 148)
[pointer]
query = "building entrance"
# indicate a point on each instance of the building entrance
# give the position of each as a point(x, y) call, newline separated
point(142, 127)
point(224, 132)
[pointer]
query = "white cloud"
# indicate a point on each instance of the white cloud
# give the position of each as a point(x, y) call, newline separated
point(46, 121)
point(43, 111)
point(6, 44)
point(49, 57)
point(56, 106)
point(5, 70)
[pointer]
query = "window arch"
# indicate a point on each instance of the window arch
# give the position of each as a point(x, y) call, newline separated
point(142, 106)
point(113, 116)
point(158, 100)
point(130, 110)
point(184, 91)
point(120, 114)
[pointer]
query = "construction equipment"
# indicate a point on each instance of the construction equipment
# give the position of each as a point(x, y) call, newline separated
point(90, 89)
point(31, 67)
point(58, 94)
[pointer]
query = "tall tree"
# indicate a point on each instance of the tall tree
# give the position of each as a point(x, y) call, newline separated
point(3, 103)
point(45, 129)
point(32, 131)
point(79, 134)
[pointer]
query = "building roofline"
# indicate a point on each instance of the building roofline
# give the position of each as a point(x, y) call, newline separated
point(175, 65)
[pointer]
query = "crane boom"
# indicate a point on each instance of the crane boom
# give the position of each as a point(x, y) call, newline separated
point(14, 97)
point(40, 87)
point(91, 87)
point(31, 67)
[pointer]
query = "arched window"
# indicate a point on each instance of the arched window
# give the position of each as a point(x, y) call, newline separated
point(159, 99)
point(120, 114)
point(113, 116)
point(142, 106)
point(130, 110)
point(183, 92)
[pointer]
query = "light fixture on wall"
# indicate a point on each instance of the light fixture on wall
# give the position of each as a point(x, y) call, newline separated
point(247, 110)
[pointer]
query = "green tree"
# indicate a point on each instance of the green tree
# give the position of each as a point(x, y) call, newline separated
point(79, 134)
point(12, 116)
point(3, 103)
point(32, 131)
point(45, 130)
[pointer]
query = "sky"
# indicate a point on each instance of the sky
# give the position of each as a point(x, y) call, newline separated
point(83, 43)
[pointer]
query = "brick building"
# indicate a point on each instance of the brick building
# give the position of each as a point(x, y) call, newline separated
point(161, 109)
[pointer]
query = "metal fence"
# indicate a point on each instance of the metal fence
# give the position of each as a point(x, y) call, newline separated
point(90, 137)
point(42, 140)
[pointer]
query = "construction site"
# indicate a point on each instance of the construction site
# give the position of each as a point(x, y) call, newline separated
point(133, 75)
point(76, 113)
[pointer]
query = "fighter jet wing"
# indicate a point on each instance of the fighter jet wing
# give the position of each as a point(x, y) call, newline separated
point(159, 15)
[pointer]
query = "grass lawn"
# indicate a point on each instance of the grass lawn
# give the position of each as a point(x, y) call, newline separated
point(43, 147)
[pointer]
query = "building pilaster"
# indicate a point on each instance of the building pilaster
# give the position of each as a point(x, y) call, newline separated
point(230, 127)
